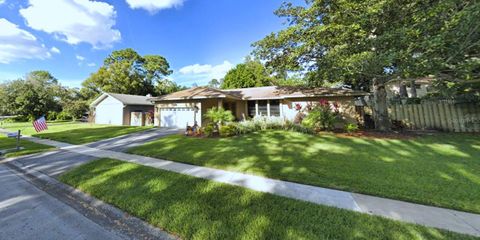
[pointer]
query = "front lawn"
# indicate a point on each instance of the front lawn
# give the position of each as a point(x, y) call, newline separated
point(74, 132)
point(441, 170)
point(28, 147)
point(195, 208)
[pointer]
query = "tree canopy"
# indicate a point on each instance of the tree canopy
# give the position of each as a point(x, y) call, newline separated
point(357, 41)
point(215, 83)
point(366, 43)
point(125, 71)
point(251, 73)
point(33, 96)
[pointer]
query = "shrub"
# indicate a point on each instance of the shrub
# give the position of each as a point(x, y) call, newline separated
point(7, 120)
point(51, 116)
point(64, 116)
point(228, 130)
point(413, 100)
point(219, 116)
point(351, 127)
point(246, 127)
point(320, 116)
point(209, 130)
point(24, 118)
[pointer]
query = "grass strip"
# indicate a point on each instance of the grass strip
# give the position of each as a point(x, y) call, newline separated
point(194, 208)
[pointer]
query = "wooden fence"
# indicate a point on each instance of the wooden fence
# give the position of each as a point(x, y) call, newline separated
point(439, 115)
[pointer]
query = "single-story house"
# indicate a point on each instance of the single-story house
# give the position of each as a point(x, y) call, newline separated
point(122, 109)
point(186, 107)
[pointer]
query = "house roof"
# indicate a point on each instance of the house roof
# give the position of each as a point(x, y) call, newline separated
point(196, 93)
point(276, 92)
point(126, 99)
point(258, 93)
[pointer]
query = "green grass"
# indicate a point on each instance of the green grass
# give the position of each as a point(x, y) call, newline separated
point(441, 170)
point(74, 132)
point(29, 147)
point(194, 208)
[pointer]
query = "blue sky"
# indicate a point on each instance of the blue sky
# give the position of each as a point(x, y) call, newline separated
point(201, 39)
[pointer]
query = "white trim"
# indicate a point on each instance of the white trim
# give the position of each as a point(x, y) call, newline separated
point(268, 108)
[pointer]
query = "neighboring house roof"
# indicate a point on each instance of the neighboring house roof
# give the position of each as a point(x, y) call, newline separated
point(258, 93)
point(126, 99)
point(423, 80)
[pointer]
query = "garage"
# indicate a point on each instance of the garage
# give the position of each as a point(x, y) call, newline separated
point(178, 117)
point(109, 111)
point(122, 109)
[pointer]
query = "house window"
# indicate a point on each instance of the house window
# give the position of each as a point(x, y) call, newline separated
point(262, 108)
point(275, 108)
point(251, 109)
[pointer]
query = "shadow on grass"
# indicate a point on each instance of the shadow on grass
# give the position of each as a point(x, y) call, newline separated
point(199, 209)
point(439, 170)
point(27, 147)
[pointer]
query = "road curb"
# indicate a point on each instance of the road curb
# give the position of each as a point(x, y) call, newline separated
point(103, 214)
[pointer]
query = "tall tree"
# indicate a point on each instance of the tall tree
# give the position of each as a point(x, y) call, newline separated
point(251, 73)
point(166, 86)
point(367, 43)
point(125, 71)
point(214, 83)
point(33, 96)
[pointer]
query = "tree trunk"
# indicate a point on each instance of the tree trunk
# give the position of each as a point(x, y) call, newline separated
point(380, 107)
point(403, 90)
point(413, 89)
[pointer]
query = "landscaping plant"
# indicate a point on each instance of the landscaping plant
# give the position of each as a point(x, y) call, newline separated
point(228, 130)
point(321, 116)
point(208, 130)
point(351, 127)
point(219, 116)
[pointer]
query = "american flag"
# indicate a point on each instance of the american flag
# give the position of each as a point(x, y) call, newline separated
point(40, 124)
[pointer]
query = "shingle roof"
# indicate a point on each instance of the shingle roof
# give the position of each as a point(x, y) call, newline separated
point(276, 92)
point(132, 99)
point(256, 93)
point(197, 93)
point(125, 99)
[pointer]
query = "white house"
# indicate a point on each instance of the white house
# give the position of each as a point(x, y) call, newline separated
point(422, 87)
point(122, 109)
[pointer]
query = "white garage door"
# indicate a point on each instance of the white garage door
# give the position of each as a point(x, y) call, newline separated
point(177, 117)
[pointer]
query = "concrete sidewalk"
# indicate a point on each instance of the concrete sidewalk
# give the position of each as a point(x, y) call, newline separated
point(452, 220)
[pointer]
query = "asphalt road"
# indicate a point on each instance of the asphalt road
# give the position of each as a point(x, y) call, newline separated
point(29, 213)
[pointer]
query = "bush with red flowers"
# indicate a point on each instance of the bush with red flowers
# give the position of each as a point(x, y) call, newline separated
point(321, 116)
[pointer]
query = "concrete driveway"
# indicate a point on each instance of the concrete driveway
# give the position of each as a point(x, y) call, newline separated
point(29, 213)
point(122, 143)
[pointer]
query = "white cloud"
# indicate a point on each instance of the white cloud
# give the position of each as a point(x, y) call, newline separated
point(202, 74)
point(217, 71)
point(91, 64)
point(74, 21)
point(55, 50)
point(16, 43)
point(79, 58)
point(153, 6)
point(2, 2)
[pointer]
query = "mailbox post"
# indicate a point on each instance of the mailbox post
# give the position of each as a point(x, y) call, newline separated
point(16, 135)
point(18, 140)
